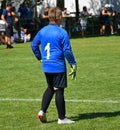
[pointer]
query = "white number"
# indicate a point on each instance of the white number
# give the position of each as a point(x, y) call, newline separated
point(47, 48)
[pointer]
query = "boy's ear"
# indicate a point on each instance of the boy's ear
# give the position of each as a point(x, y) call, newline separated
point(61, 17)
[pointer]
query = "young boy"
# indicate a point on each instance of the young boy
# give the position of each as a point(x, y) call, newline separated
point(55, 47)
point(7, 18)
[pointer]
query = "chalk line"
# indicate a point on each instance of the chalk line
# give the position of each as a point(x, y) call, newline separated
point(67, 100)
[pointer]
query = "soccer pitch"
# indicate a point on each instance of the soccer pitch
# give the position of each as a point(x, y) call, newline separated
point(93, 100)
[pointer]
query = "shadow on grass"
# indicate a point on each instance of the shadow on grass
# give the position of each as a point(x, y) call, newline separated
point(86, 116)
point(52, 121)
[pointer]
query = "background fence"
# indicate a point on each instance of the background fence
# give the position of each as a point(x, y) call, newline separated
point(93, 26)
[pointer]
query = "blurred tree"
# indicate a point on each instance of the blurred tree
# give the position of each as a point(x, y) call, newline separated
point(60, 4)
point(77, 8)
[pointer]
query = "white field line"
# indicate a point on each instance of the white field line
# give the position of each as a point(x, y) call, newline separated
point(72, 100)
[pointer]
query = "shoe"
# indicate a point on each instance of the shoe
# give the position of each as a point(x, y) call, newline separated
point(42, 117)
point(65, 121)
point(112, 33)
point(9, 47)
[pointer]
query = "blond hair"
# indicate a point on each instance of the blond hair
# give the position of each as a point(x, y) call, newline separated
point(54, 14)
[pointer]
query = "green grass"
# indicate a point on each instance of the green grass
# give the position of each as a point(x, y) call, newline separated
point(98, 78)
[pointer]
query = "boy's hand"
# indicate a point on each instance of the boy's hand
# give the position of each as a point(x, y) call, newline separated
point(73, 71)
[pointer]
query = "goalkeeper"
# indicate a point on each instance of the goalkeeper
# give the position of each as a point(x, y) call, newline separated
point(51, 45)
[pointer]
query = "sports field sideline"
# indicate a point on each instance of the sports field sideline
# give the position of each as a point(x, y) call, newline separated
point(93, 100)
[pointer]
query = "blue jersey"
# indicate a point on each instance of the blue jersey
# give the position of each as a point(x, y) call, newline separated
point(8, 16)
point(55, 46)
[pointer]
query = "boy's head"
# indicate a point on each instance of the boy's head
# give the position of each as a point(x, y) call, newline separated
point(84, 8)
point(9, 4)
point(46, 9)
point(55, 15)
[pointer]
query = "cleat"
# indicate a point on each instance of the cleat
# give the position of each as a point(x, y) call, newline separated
point(112, 33)
point(42, 116)
point(65, 121)
point(9, 47)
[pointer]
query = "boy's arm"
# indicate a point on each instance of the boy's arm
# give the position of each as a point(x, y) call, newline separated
point(71, 60)
point(3, 18)
point(35, 47)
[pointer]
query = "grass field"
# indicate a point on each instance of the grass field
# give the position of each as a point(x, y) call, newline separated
point(93, 100)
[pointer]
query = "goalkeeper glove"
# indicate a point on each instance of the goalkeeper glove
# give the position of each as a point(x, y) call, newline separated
point(73, 71)
point(39, 59)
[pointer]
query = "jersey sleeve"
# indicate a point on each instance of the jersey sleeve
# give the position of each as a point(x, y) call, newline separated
point(4, 13)
point(68, 50)
point(35, 46)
